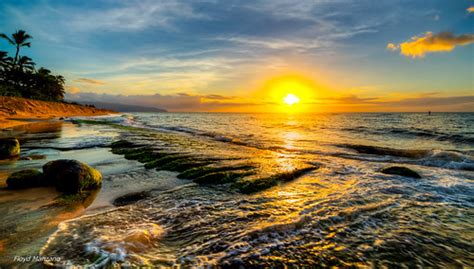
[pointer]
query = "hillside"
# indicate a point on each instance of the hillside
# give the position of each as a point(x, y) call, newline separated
point(15, 110)
point(124, 107)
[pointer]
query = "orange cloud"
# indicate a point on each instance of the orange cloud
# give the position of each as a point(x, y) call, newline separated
point(89, 81)
point(73, 90)
point(418, 46)
point(392, 47)
point(470, 9)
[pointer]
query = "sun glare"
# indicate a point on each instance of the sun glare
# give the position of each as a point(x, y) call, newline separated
point(291, 99)
point(291, 93)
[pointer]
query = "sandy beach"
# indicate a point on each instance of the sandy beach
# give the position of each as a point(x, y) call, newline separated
point(15, 111)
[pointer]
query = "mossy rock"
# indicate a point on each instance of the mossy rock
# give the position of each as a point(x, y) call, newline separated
point(157, 163)
point(71, 176)
point(9, 148)
point(205, 170)
point(122, 144)
point(222, 177)
point(29, 178)
point(183, 165)
point(130, 198)
point(400, 171)
point(141, 156)
point(248, 186)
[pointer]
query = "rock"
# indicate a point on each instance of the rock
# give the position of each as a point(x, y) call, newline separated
point(400, 171)
point(9, 147)
point(71, 176)
point(28, 178)
point(130, 198)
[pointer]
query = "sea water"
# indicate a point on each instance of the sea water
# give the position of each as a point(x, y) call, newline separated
point(346, 213)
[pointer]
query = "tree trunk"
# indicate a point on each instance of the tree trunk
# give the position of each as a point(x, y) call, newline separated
point(16, 55)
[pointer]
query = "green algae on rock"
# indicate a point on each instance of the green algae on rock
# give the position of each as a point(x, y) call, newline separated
point(222, 177)
point(9, 147)
point(71, 176)
point(204, 170)
point(400, 171)
point(197, 172)
point(24, 179)
point(248, 186)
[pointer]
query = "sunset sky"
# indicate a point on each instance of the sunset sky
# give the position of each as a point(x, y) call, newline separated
point(211, 55)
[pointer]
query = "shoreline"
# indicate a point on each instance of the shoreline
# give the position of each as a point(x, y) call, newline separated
point(16, 111)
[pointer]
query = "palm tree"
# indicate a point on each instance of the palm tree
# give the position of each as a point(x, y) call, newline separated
point(18, 39)
point(25, 64)
point(4, 60)
point(43, 72)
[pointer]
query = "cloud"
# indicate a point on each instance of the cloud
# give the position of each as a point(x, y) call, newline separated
point(218, 97)
point(73, 90)
point(89, 81)
point(212, 102)
point(470, 9)
point(273, 43)
point(419, 46)
point(427, 102)
point(392, 47)
point(135, 15)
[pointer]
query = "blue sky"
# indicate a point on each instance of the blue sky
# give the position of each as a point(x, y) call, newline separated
point(217, 55)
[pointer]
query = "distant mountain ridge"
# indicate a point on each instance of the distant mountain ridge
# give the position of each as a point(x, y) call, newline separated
point(123, 107)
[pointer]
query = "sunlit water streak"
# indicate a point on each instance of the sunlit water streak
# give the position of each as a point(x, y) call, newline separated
point(345, 213)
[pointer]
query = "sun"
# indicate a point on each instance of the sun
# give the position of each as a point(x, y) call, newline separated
point(291, 93)
point(291, 99)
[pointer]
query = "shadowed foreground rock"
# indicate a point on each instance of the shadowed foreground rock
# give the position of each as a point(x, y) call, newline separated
point(28, 178)
point(71, 176)
point(9, 148)
point(400, 171)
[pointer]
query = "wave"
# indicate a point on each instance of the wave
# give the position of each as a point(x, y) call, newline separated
point(374, 150)
point(449, 159)
point(415, 132)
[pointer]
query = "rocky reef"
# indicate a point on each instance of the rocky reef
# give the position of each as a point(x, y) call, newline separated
point(240, 175)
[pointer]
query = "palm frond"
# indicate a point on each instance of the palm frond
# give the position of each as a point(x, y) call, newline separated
point(4, 36)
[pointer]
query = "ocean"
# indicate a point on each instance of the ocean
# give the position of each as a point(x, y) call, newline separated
point(339, 211)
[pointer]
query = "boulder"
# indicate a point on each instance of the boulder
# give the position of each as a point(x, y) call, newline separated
point(9, 147)
point(400, 171)
point(71, 176)
point(28, 178)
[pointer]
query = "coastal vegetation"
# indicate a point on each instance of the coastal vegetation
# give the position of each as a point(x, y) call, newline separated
point(20, 77)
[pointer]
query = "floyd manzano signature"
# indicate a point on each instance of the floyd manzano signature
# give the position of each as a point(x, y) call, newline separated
point(25, 259)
